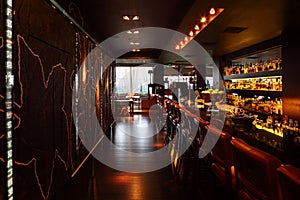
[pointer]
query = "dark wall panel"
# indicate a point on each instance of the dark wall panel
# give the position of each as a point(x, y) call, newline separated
point(44, 65)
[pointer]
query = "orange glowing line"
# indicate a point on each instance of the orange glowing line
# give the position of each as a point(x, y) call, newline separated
point(71, 80)
point(19, 121)
point(68, 122)
point(1, 136)
point(19, 105)
point(34, 160)
point(2, 42)
point(2, 160)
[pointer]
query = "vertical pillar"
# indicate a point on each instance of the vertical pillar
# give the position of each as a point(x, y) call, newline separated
point(158, 74)
point(200, 72)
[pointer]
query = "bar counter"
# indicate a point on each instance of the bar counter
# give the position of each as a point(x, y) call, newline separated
point(283, 148)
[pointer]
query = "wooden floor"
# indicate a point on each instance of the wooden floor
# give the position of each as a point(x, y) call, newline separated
point(97, 181)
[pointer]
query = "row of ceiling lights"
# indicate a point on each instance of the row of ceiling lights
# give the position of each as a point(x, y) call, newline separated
point(132, 32)
point(204, 21)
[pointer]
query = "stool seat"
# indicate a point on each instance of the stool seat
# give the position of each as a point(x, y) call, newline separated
point(289, 181)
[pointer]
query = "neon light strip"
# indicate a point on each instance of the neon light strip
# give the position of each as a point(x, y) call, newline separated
point(77, 45)
point(9, 83)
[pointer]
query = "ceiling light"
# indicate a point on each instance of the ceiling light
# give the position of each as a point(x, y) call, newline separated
point(177, 47)
point(136, 18)
point(203, 20)
point(186, 39)
point(126, 17)
point(134, 43)
point(136, 50)
point(133, 32)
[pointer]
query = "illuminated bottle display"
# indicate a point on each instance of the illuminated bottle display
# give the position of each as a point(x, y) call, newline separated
point(247, 67)
point(273, 83)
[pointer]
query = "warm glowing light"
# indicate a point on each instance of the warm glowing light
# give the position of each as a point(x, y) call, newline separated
point(134, 43)
point(136, 18)
point(213, 13)
point(136, 50)
point(133, 32)
point(186, 39)
point(177, 47)
point(203, 19)
point(126, 18)
point(181, 43)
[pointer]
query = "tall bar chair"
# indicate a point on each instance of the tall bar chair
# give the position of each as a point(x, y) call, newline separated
point(289, 181)
point(256, 172)
point(222, 164)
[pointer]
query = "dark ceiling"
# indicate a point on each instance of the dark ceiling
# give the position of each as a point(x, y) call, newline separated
point(262, 20)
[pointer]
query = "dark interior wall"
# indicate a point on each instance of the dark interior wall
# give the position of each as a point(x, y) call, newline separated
point(291, 81)
point(43, 126)
point(291, 94)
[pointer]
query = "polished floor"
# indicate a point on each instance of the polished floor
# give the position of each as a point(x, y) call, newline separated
point(97, 181)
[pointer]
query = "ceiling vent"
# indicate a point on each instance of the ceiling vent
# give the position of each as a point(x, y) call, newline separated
point(234, 29)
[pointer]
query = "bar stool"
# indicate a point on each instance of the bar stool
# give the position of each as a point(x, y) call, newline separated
point(169, 110)
point(222, 165)
point(256, 172)
point(181, 167)
point(289, 181)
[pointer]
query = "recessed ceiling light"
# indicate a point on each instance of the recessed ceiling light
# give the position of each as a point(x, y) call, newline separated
point(203, 19)
point(191, 33)
point(212, 11)
point(136, 18)
point(196, 27)
point(177, 47)
point(134, 43)
point(125, 17)
point(186, 39)
point(133, 32)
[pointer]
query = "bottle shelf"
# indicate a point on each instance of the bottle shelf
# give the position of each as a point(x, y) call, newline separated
point(244, 92)
point(254, 75)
